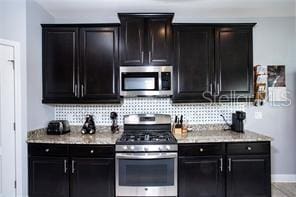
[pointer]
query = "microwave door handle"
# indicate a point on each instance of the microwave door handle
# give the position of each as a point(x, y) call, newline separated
point(159, 82)
point(146, 156)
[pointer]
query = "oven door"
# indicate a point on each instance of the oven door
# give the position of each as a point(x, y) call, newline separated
point(146, 174)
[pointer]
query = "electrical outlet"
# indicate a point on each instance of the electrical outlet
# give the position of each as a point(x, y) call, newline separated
point(258, 115)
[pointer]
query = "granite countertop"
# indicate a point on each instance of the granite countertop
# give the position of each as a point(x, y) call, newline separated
point(209, 136)
point(103, 135)
point(199, 134)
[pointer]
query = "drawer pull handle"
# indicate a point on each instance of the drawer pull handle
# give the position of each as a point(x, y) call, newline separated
point(142, 57)
point(65, 166)
point(229, 164)
point(221, 164)
point(73, 166)
point(82, 90)
point(92, 151)
point(201, 150)
point(47, 150)
point(249, 148)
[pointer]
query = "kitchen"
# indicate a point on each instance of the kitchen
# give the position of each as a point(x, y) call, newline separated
point(197, 54)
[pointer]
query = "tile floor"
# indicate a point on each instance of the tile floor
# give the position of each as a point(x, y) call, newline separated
point(283, 189)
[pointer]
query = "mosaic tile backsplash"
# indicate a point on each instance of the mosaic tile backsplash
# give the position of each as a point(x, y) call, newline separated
point(199, 113)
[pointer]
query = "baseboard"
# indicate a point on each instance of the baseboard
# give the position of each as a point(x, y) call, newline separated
point(283, 178)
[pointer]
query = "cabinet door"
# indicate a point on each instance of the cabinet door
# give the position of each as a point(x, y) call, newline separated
point(132, 41)
point(92, 177)
point(48, 177)
point(234, 62)
point(193, 71)
point(60, 64)
point(159, 41)
point(99, 65)
point(248, 175)
point(201, 176)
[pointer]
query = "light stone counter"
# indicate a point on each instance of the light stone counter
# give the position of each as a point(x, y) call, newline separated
point(199, 134)
point(209, 136)
point(102, 136)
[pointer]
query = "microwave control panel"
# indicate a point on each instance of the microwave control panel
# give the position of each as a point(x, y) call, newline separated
point(165, 81)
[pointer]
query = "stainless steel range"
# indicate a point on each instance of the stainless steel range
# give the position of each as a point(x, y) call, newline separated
point(146, 157)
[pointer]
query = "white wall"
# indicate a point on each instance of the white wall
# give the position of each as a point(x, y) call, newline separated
point(1, 20)
point(13, 27)
point(38, 114)
point(106, 10)
point(20, 21)
point(274, 43)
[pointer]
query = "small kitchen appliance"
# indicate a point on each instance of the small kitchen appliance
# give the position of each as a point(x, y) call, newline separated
point(114, 126)
point(89, 126)
point(146, 157)
point(58, 127)
point(238, 121)
point(146, 81)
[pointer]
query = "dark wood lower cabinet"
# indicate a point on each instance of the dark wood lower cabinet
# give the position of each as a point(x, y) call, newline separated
point(48, 177)
point(92, 177)
point(201, 176)
point(239, 170)
point(204, 170)
point(248, 175)
point(71, 171)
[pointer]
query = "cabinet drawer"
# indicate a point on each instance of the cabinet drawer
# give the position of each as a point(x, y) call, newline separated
point(201, 149)
point(48, 149)
point(92, 151)
point(248, 148)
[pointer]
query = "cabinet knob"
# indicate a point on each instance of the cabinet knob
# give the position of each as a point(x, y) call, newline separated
point(201, 149)
point(47, 150)
point(249, 148)
point(92, 151)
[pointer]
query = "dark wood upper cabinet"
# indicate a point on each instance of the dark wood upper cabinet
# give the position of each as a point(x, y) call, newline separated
point(93, 177)
point(159, 41)
point(99, 64)
point(80, 63)
point(213, 62)
point(60, 51)
point(132, 41)
point(194, 63)
point(234, 61)
point(145, 39)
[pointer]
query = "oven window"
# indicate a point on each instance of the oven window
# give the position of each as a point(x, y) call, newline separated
point(152, 172)
point(139, 81)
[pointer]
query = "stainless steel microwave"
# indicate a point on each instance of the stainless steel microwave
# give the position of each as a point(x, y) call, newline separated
point(146, 81)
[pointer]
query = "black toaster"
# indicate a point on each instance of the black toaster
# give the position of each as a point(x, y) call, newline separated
point(58, 127)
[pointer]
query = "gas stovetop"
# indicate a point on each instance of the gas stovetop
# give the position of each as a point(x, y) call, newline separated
point(146, 137)
point(148, 133)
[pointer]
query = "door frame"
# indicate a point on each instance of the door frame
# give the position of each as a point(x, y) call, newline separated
point(20, 118)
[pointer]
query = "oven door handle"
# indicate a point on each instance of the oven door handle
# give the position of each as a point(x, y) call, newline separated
point(146, 155)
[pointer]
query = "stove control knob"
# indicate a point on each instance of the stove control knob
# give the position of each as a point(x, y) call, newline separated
point(132, 147)
point(145, 148)
point(168, 147)
point(125, 148)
